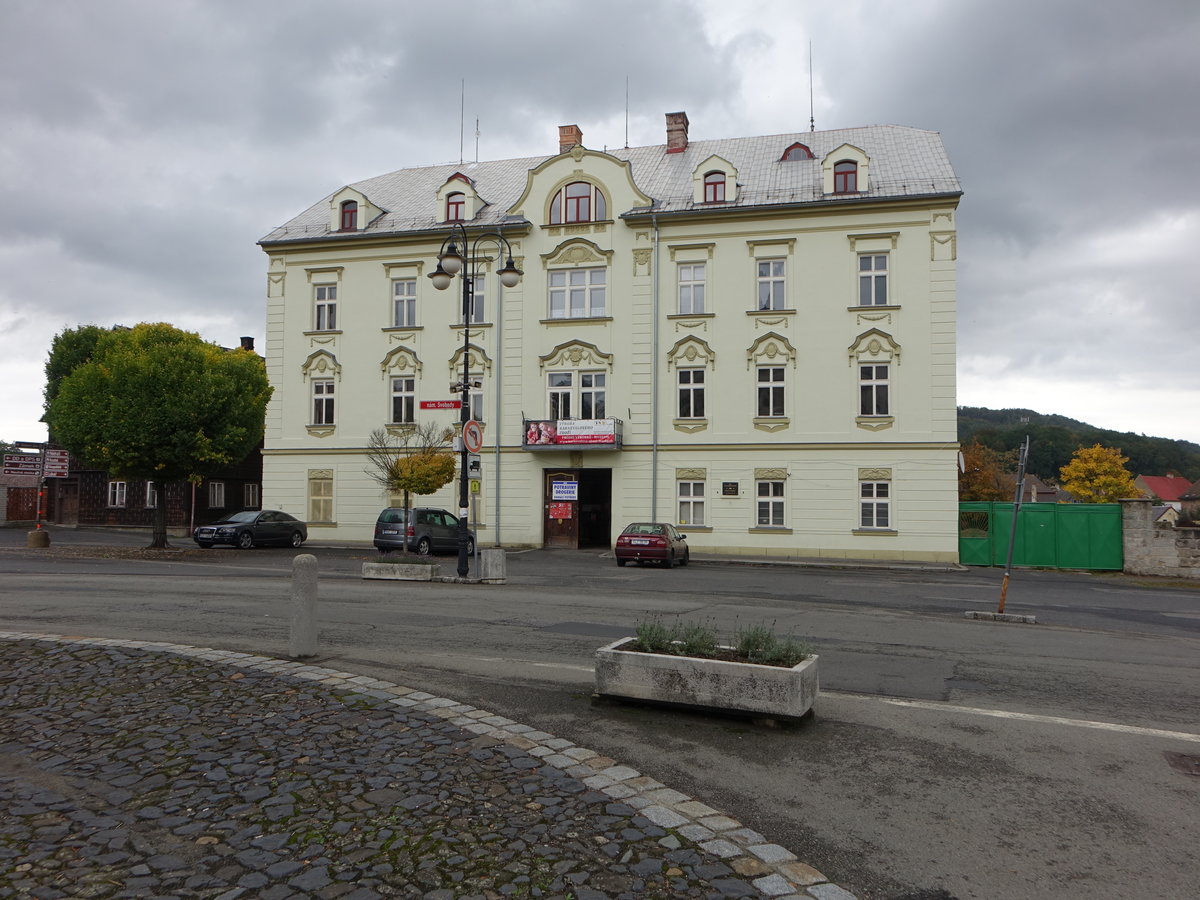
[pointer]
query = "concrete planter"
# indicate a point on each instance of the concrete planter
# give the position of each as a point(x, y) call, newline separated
point(769, 691)
point(399, 571)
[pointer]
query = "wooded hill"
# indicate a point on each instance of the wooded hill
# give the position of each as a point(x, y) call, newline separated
point(1053, 439)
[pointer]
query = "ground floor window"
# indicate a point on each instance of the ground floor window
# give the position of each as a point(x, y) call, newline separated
point(320, 496)
point(151, 495)
point(691, 502)
point(770, 504)
point(251, 496)
point(216, 494)
point(116, 493)
point(875, 504)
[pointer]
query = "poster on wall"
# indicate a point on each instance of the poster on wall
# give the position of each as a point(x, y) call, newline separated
point(553, 433)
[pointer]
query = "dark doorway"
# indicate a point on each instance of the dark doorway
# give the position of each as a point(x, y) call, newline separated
point(595, 507)
point(577, 508)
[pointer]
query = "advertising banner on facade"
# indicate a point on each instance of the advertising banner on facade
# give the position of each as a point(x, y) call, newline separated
point(550, 432)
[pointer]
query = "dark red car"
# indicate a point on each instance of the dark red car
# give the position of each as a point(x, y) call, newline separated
point(652, 541)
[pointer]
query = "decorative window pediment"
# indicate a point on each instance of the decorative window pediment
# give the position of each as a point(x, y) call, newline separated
point(477, 360)
point(874, 345)
point(576, 354)
point(691, 351)
point(472, 203)
point(847, 153)
point(771, 348)
point(714, 165)
point(351, 210)
point(577, 252)
point(401, 360)
point(322, 364)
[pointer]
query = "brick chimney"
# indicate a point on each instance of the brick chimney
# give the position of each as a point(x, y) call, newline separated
point(568, 137)
point(248, 344)
point(677, 128)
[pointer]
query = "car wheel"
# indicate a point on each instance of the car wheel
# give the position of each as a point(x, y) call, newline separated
point(470, 546)
point(621, 562)
point(687, 558)
point(424, 547)
point(297, 539)
point(245, 540)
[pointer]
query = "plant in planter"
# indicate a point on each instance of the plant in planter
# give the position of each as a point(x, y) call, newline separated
point(684, 665)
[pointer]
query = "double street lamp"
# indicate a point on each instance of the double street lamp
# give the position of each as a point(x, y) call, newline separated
point(452, 262)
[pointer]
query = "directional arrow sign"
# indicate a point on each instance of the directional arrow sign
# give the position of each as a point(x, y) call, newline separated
point(22, 464)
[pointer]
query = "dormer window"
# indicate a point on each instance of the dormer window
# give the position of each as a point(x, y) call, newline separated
point(794, 152)
point(456, 205)
point(845, 177)
point(714, 187)
point(349, 216)
point(579, 201)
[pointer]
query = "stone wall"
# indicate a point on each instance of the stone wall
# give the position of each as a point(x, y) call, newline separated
point(1157, 549)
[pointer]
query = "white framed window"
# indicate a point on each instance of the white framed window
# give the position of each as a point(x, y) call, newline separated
point(772, 283)
point(691, 502)
point(873, 390)
point(873, 279)
point(560, 387)
point(475, 397)
point(320, 497)
point(404, 400)
point(875, 504)
point(691, 288)
point(116, 493)
point(151, 495)
point(769, 510)
point(477, 308)
point(216, 495)
point(578, 293)
point(322, 403)
point(592, 387)
point(404, 302)
point(325, 307)
point(691, 393)
point(770, 392)
point(714, 187)
point(251, 496)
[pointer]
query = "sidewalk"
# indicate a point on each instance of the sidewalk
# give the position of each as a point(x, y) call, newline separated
point(141, 769)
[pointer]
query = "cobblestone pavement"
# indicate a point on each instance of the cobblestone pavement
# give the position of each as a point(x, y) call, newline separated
point(150, 770)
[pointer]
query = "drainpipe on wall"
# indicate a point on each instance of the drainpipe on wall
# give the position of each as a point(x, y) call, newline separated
point(654, 380)
point(499, 392)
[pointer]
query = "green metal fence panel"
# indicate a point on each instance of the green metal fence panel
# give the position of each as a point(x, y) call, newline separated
point(1048, 535)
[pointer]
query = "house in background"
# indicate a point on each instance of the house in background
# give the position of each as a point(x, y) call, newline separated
point(1168, 489)
point(752, 338)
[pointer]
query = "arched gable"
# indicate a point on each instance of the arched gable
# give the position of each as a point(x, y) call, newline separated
point(846, 152)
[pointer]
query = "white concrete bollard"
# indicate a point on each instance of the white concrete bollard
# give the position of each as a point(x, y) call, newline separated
point(302, 640)
point(492, 566)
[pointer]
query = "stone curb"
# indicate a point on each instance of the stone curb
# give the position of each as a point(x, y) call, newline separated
point(1000, 617)
point(772, 869)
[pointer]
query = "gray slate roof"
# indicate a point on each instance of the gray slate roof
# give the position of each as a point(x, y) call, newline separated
point(904, 162)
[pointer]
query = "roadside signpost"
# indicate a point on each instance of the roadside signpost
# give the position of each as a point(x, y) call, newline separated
point(57, 464)
point(472, 434)
point(23, 464)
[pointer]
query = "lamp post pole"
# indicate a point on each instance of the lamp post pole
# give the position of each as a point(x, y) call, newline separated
point(465, 264)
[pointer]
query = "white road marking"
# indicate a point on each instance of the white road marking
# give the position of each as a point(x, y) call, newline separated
point(1031, 717)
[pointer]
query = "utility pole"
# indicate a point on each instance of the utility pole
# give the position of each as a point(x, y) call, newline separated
point(1012, 535)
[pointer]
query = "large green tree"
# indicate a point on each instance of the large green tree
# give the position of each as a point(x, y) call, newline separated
point(154, 402)
point(983, 473)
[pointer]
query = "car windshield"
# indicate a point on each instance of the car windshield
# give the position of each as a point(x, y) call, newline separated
point(245, 516)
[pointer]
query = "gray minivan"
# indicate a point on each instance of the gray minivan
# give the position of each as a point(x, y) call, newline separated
point(432, 531)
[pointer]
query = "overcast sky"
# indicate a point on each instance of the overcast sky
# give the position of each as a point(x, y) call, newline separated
point(145, 146)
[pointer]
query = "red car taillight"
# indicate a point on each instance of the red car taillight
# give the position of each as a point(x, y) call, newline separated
point(410, 532)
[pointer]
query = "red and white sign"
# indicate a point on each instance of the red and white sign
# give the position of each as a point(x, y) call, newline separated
point(561, 510)
point(472, 434)
point(441, 404)
point(58, 464)
point(585, 431)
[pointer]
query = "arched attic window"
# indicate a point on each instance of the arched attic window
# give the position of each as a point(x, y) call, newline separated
point(714, 187)
point(579, 201)
point(845, 177)
point(456, 205)
point(349, 215)
point(796, 151)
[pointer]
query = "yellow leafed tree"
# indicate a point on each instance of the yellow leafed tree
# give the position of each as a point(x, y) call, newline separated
point(1098, 475)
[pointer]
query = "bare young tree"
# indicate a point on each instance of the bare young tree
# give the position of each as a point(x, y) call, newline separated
point(415, 460)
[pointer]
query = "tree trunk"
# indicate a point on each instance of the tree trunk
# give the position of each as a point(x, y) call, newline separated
point(404, 533)
point(159, 540)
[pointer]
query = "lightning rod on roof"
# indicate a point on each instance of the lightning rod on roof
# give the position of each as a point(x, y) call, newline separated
point(462, 115)
point(626, 112)
point(477, 139)
point(812, 122)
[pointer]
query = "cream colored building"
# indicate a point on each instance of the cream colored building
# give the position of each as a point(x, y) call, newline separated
point(753, 338)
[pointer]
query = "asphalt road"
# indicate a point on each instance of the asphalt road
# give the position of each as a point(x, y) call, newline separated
point(949, 757)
